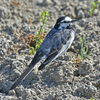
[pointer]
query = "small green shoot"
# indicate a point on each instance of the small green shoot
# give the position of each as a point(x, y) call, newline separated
point(92, 99)
point(32, 51)
point(84, 50)
point(94, 6)
point(42, 18)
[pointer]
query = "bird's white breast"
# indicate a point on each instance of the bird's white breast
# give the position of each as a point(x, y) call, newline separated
point(65, 47)
point(69, 42)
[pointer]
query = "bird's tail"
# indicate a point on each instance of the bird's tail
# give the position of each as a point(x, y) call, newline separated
point(37, 58)
point(24, 74)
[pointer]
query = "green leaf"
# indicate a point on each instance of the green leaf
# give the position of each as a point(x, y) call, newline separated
point(98, 1)
point(39, 35)
point(89, 53)
point(32, 51)
point(82, 52)
point(34, 39)
point(80, 38)
point(93, 3)
point(90, 13)
point(92, 99)
point(83, 49)
point(37, 46)
point(40, 41)
point(80, 56)
point(83, 38)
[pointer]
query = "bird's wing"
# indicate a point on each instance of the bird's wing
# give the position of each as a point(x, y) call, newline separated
point(60, 40)
point(49, 58)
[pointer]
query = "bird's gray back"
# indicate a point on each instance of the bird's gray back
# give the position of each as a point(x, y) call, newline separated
point(55, 39)
point(48, 42)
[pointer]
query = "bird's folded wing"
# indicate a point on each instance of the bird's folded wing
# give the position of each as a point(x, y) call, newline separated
point(53, 53)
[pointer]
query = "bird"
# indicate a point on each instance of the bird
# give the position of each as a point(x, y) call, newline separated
point(57, 41)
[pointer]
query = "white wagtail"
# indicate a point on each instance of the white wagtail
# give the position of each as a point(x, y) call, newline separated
point(57, 41)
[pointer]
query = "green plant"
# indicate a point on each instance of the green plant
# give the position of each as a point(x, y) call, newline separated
point(94, 6)
point(92, 99)
point(40, 33)
point(32, 51)
point(84, 50)
point(43, 18)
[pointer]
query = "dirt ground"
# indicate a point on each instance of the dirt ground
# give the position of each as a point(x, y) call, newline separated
point(60, 80)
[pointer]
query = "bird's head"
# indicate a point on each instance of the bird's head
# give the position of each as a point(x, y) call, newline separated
point(63, 22)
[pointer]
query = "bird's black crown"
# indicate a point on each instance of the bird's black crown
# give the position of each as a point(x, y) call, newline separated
point(58, 21)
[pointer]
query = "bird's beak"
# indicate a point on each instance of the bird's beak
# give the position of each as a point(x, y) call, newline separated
point(73, 20)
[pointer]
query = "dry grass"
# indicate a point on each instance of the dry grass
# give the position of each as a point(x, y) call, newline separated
point(30, 20)
point(16, 4)
point(27, 39)
point(77, 61)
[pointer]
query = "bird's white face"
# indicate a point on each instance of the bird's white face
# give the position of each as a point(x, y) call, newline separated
point(65, 22)
point(67, 19)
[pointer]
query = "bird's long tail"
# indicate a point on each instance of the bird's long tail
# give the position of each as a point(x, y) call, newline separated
point(37, 58)
point(24, 74)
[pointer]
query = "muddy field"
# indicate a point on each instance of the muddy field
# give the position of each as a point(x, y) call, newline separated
point(62, 79)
